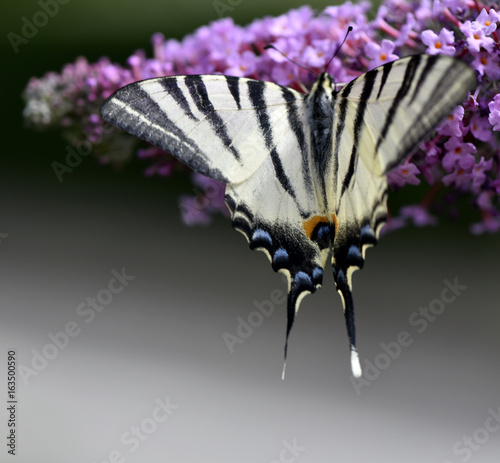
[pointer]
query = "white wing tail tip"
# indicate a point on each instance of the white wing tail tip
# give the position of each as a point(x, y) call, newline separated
point(283, 372)
point(355, 365)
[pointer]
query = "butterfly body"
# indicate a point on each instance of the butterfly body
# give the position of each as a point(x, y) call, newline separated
point(304, 174)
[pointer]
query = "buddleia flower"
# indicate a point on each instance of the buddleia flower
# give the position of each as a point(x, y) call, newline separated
point(468, 171)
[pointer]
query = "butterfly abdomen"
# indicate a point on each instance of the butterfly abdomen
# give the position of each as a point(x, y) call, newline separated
point(320, 103)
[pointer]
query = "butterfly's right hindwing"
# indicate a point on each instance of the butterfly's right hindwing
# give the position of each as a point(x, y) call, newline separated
point(381, 117)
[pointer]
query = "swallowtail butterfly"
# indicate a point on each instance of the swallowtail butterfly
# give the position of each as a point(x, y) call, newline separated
point(304, 173)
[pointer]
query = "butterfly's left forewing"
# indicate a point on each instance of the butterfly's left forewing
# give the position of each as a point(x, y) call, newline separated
point(212, 123)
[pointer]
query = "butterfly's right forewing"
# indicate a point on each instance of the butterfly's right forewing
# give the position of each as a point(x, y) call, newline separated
point(397, 105)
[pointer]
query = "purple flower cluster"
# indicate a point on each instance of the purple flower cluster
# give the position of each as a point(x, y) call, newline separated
point(461, 162)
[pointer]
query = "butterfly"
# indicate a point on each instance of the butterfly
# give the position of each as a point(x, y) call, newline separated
point(304, 173)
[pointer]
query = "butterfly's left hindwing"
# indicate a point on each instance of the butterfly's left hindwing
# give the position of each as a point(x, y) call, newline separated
point(252, 135)
point(275, 222)
point(305, 175)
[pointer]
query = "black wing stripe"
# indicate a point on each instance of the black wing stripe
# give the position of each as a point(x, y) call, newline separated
point(233, 84)
point(298, 130)
point(171, 86)
point(243, 209)
point(199, 94)
point(256, 95)
point(358, 125)
point(403, 90)
point(243, 226)
point(230, 203)
point(385, 74)
point(430, 63)
point(340, 127)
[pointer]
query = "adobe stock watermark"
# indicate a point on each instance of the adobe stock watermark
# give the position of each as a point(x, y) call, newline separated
point(31, 27)
point(420, 320)
point(87, 310)
point(223, 8)
point(289, 452)
point(245, 328)
point(84, 148)
point(133, 438)
point(470, 443)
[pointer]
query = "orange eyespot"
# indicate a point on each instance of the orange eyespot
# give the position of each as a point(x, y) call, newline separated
point(310, 224)
point(383, 56)
point(458, 150)
point(484, 61)
point(438, 45)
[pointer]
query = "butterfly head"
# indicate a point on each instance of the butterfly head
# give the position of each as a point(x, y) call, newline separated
point(324, 88)
point(327, 82)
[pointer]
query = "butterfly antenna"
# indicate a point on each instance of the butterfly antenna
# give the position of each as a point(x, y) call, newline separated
point(267, 47)
point(349, 29)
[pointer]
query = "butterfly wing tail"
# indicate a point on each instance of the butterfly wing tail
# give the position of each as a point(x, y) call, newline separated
point(285, 242)
point(300, 286)
point(356, 234)
point(345, 291)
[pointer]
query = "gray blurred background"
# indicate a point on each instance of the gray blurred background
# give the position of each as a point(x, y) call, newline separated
point(102, 397)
